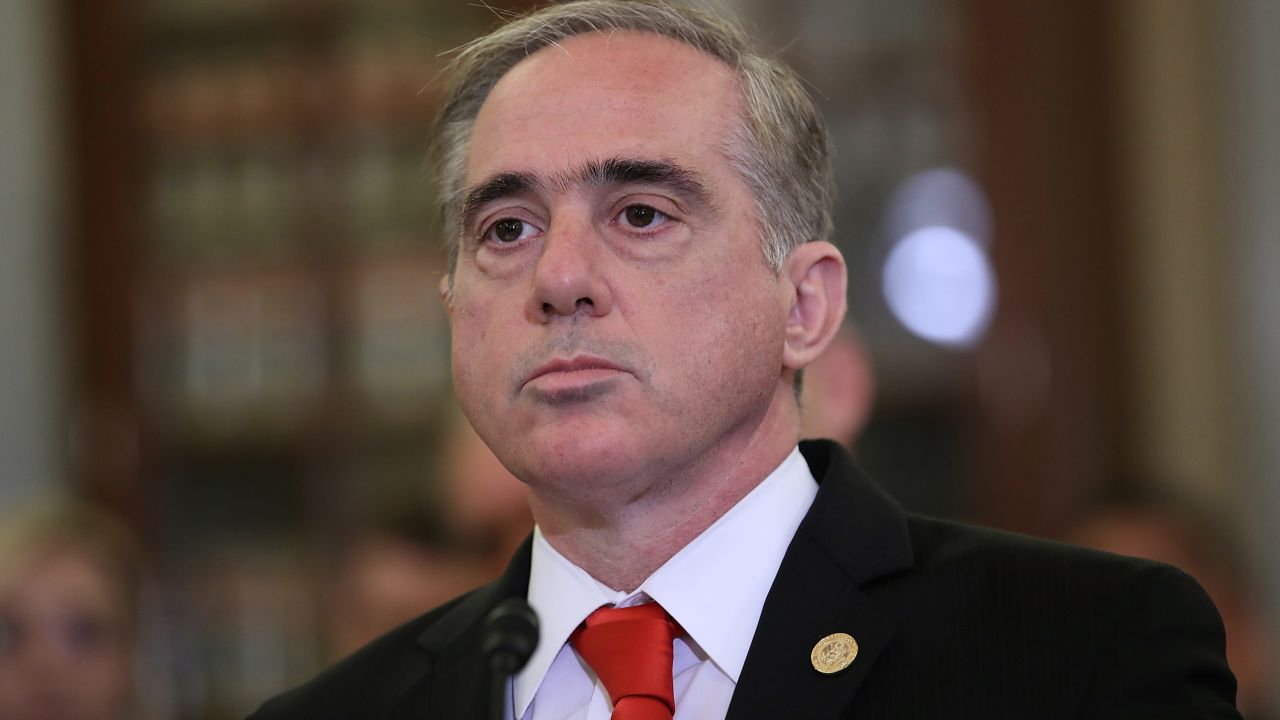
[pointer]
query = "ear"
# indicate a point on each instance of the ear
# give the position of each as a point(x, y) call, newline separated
point(446, 290)
point(816, 277)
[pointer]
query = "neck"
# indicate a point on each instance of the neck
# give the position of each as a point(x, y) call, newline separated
point(624, 542)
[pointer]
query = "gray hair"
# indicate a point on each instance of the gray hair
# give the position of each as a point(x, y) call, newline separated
point(780, 148)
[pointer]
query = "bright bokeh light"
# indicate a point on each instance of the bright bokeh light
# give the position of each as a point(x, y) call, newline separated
point(940, 285)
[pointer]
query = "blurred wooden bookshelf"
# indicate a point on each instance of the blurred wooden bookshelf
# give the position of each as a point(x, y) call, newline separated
point(252, 259)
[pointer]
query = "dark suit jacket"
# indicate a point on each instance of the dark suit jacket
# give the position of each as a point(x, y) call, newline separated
point(951, 621)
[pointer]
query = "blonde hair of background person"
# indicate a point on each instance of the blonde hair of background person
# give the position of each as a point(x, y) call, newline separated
point(69, 598)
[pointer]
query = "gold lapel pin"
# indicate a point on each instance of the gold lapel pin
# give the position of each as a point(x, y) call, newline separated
point(834, 653)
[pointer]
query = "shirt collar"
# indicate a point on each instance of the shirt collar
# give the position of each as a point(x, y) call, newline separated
point(715, 586)
point(563, 595)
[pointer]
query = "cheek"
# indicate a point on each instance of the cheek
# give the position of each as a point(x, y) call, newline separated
point(725, 331)
point(483, 342)
point(470, 357)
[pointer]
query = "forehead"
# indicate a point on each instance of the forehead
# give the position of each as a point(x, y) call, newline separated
point(605, 95)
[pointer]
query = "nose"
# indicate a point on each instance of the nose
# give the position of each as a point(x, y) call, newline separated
point(569, 277)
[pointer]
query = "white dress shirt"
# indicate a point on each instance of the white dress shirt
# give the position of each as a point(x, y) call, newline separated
point(714, 587)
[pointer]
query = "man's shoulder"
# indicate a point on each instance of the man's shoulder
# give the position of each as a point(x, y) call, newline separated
point(370, 680)
point(938, 541)
point(1050, 625)
point(976, 584)
point(940, 579)
point(946, 551)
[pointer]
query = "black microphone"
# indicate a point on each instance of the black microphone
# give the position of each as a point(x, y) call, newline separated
point(510, 636)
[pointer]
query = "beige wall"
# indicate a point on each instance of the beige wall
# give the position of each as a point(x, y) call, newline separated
point(1250, 53)
point(30, 372)
point(1172, 221)
point(1201, 120)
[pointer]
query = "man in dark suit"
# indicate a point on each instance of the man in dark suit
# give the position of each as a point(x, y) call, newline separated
point(639, 207)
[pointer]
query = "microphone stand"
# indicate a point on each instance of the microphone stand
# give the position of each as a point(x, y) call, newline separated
point(510, 636)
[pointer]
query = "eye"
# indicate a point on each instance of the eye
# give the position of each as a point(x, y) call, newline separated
point(642, 216)
point(83, 635)
point(508, 230)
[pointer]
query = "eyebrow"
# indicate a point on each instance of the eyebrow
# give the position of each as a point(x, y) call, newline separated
point(592, 174)
point(632, 171)
point(502, 185)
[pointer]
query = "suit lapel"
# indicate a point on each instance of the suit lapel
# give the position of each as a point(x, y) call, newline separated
point(852, 535)
point(449, 679)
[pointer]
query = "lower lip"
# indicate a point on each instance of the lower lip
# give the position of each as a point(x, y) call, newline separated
point(568, 380)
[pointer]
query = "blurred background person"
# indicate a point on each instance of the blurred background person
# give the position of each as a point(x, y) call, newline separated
point(391, 570)
point(69, 594)
point(483, 502)
point(1159, 524)
point(410, 554)
point(838, 391)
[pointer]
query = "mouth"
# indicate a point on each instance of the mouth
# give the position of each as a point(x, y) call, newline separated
point(561, 378)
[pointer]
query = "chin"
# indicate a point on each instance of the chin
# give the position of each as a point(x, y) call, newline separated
point(576, 462)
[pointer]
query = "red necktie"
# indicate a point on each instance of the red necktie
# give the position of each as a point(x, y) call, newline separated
point(630, 650)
